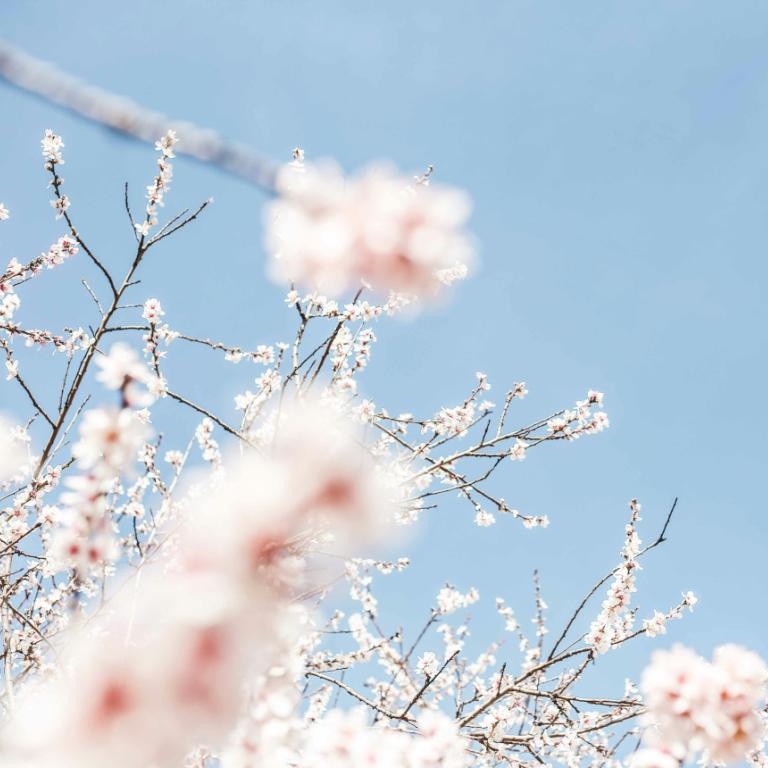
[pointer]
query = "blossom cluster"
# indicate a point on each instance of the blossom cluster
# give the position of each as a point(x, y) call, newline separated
point(160, 184)
point(57, 253)
point(615, 619)
point(110, 440)
point(10, 302)
point(330, 233)
point(696, 706)
point(581, 420)
point(51, 146)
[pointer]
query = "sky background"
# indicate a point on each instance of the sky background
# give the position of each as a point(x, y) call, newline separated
point(615, 153)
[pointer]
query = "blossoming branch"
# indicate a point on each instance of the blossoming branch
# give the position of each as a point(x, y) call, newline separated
point(213, 602)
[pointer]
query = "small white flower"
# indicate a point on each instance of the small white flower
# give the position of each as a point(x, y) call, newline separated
point(60, 205)
point(51, 145)
point(518, 451)
point(152, 311)
point(428, 664)
point(656, 625)
point(483, 518)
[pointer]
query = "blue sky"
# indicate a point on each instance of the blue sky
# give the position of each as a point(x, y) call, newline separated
point(615, 154)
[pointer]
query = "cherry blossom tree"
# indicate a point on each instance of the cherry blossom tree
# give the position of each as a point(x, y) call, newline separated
point(188, 605)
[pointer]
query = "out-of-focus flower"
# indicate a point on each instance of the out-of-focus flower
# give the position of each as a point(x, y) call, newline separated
point(170, 662)
point(330, 233)
point(317, 478)
point(122, 369)
point(109, 440)
point(701, 706)
point(11, 453)
point(108, 445)
point(163, 673)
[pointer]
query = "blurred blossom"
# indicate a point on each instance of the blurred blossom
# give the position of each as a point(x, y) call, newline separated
point(697, 705)
point(11, 450)
point(329, 233)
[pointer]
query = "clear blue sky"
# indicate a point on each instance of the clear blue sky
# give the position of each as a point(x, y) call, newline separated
point(616, 156)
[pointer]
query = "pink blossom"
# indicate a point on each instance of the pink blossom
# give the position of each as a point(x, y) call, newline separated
point(165, 672)
point(316, 478)
point(706, 706)
point(330, 233)
point(152, 311)
point(109, 440)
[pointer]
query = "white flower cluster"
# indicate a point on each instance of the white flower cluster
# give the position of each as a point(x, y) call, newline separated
point(51, 146)
point(450, 600)
point(9, 302)
point(160, 184)
point(57, 253)
point(62, 249)
point(581, 420)
point(615, 619)
point(456, 421)
point(208, 445)
point(152, 312)
point(701, 706)
point(109, 442)
point(329, 232)
point(350, 354)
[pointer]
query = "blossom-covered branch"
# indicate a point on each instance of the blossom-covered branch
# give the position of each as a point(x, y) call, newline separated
point(184, 605)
